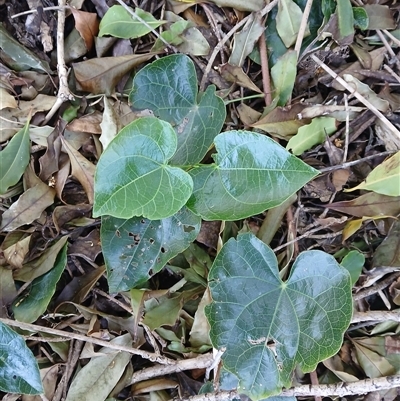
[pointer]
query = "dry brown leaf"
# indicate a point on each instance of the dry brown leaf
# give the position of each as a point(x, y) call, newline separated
point(87, 25)
point(369, 204)
point(101, 75)
point(282, 121)
point(88, 123)
point(82, 169)
point(28, 207)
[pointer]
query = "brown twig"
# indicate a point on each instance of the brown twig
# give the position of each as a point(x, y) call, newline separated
point(266, 79)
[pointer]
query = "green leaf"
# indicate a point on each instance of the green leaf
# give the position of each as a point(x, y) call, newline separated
point(18, 367)
point(14, 159)
point(283, 75)
point(288, 21)
point(119, 23)
point(268, 326)
point(384, 179)
point(19, 57)
point(34, 301)
point(361, 19)
point(345, 16)
point(133, 178)
point(133, 248)
point(168, 87)
point(353, 262)
point(251, 173)
point(311, 134)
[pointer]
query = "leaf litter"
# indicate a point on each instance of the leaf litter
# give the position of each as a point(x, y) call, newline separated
point(55, 257)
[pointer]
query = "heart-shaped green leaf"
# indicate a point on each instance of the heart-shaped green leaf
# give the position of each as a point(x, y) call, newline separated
point(168, 87)
point(251, 173)
point(133, 178)
point(19, 369)
point(269, 326)
point(138, 248)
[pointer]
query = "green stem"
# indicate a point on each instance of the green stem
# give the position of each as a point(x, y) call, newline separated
point(244, 98)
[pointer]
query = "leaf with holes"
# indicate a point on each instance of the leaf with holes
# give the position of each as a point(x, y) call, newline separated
point(138, 248)
point(168, 87)
point(251, 173)
point(268, 326)
point(133, 177)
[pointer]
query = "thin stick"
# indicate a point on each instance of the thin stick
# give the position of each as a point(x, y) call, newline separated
point(393, 38)
point(355, 162)
point(303, 27)
point(144, 354)
point(376, 287)
point(201, 362)
point(266, 79)
point(340, 389)
point(64, 93)
point(221, 44)
point(361, 98)
point(376, 316)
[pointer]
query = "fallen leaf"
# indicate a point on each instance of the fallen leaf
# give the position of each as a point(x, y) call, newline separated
point(384, 179)
point(42, 264)
point(244, 41)
point(369, 204)
point(282, 121)
point(82, 169)
point(7, 100)
point(28, 207)
point(101, 75)
point(87, 25)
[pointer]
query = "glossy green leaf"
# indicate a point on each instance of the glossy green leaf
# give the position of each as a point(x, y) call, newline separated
point(168, 87)
point(138, 248)
point(119, 23)
point(18, 367)
point(251, 173)
point(283, 75)
point(32, 303)
point(354, 262)
point(14, 159)
point(133, 177)
point(268, 326)
point(311, 134)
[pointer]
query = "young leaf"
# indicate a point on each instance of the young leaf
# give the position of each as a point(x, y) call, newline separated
point(268, 326)
point(119, 23)
point(31, 304)
point(384, 179)
point(19, 369)
point(168, 87)
point(311, 134)
point(251, 173)
point(283, 75)
point(353, 262)
point(14, 159)
point(133, 177)
point(132, 248)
